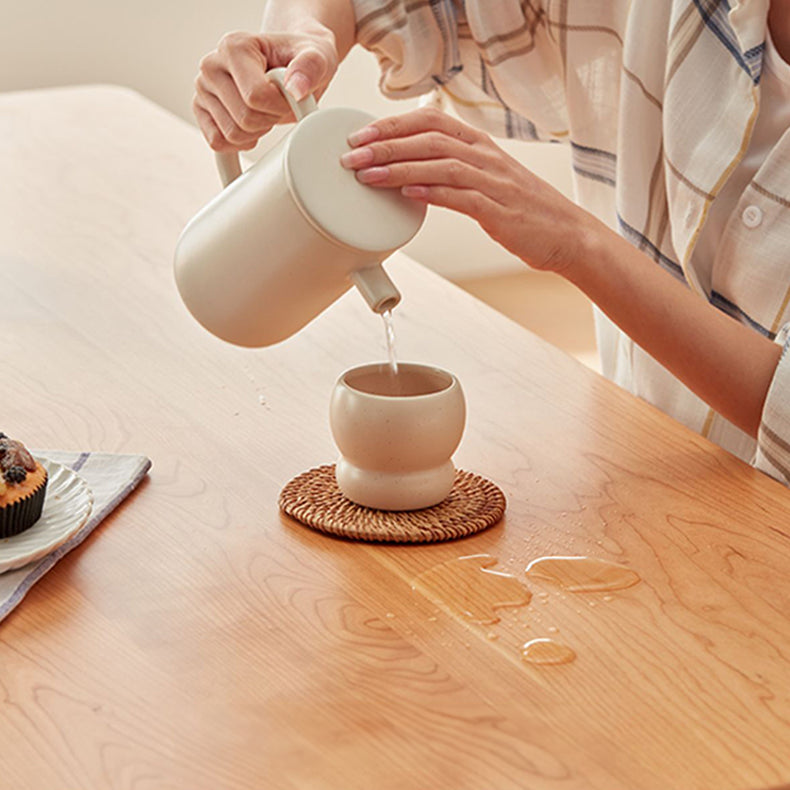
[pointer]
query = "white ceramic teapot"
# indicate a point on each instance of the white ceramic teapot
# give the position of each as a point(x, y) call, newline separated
point(287, 237)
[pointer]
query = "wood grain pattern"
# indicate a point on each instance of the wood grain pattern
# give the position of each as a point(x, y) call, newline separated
point(199, 639)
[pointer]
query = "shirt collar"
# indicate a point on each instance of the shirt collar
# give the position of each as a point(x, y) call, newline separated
point(749, 20)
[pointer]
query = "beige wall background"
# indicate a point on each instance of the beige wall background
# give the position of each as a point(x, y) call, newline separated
point(154, 47)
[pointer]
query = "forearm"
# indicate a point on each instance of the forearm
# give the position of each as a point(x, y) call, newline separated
point(725, 363)
point(439, 160)
point(290, 16)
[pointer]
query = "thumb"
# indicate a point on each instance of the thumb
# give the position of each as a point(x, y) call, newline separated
point(307, 72)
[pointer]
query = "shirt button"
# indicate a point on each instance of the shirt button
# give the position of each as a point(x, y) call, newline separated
point(752, 216)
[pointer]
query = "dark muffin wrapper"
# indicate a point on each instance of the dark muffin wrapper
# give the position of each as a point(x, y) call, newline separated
point(23, 513)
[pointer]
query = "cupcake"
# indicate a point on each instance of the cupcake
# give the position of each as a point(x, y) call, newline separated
point(23, 483)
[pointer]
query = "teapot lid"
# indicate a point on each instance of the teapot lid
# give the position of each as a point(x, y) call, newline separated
point(359, 216)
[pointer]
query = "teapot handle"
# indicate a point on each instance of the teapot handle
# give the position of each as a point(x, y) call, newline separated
point(228, 162)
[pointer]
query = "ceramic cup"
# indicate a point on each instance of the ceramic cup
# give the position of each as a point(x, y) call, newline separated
point(396, 434)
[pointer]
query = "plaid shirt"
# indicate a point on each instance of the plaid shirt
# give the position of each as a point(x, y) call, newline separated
point(657, 101)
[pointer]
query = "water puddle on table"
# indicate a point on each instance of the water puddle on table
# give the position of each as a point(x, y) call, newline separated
point(546, 651)
point(582, 574)
point(469, 588)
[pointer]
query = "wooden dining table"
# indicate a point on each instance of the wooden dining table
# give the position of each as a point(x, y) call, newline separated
point(201, 639)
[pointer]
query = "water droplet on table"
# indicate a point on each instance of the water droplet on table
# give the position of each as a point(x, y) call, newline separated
point(468, 586)
point(546, 651)
point(582, 574)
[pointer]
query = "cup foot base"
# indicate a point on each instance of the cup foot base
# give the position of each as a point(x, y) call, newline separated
point(395, 490)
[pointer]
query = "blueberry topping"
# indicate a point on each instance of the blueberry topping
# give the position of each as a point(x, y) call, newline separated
point(16, 474)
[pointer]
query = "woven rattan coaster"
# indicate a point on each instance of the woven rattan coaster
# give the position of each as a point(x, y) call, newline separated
point(314, 499)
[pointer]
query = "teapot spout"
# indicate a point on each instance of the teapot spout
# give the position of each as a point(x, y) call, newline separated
point(376, 287)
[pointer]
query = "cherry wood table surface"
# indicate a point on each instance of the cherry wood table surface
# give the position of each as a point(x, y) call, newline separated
point(200, 639)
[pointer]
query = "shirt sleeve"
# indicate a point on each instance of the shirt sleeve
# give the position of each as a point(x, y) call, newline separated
point(495, 63)
point(415, 43)
point(773, 438)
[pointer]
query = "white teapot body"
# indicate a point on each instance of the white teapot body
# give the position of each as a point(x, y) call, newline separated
point(289, 236)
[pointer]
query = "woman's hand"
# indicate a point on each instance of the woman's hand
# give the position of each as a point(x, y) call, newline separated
point(235, 103)
point(437, 159)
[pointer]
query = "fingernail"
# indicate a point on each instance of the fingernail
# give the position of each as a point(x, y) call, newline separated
point(414, 191)
point(359, 157)
point(373, 175)
point(298, 85)
point(367, 134)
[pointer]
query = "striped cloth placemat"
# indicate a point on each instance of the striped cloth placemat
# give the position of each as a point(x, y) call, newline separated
point(111, 478)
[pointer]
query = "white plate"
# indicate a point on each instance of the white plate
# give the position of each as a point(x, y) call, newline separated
point(67, 506)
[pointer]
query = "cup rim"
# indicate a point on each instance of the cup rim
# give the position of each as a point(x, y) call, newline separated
point(451, 380)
